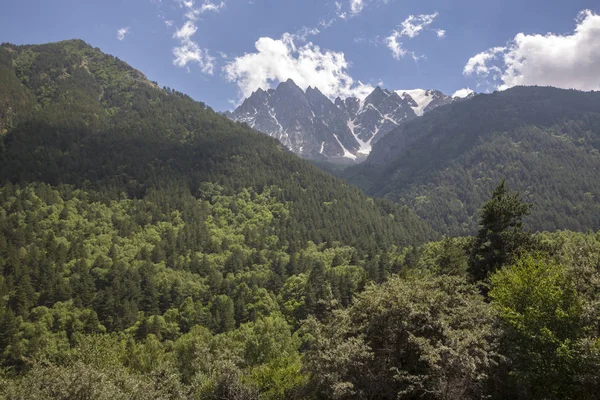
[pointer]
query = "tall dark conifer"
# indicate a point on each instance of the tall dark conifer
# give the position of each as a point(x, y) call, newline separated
point(501, 235)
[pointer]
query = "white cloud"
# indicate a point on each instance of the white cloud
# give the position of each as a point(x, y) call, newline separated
point(277, 60)
point(326, 23)
point(188, 51)
point(567, 61)
point(356, 6)
point(394, 44)
point(186, 3)
point(121, 33)
point(304, 32)
point(338, 7)
point(186, 31)
point(169, 23)
point(462, 93)
point(352, 8)
point(207, 6)
point(478, 64)
point(413, 25)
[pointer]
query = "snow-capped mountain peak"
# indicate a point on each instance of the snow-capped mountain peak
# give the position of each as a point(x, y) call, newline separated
point(424, 100)
point(313, 126)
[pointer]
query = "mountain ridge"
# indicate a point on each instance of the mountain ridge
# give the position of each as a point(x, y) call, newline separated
point(545, 141)
point(313, 126)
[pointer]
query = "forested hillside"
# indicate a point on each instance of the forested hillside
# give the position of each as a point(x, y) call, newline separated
point(544, 141)
point(77, 116)
point(125, 207)
point(152, 249)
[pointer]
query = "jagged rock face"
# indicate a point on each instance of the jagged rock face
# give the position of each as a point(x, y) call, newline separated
point(313, 126)
point(377, 115)
point(305, 122)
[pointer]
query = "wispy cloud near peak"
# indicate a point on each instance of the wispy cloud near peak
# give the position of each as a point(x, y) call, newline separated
point(410, 28)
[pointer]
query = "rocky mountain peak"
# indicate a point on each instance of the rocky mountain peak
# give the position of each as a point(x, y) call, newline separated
point(377, 96)
point(313, 126)
point(289, 85)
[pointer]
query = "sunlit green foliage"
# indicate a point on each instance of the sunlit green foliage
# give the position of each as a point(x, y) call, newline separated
point(426, 337)
point(542, 312)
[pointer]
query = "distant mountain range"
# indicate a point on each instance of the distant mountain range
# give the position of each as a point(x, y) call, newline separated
point(312, 126)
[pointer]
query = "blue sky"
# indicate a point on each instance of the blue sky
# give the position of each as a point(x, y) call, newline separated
point(219, 51)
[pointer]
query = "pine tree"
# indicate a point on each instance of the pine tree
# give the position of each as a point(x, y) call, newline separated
point(318, 296)
point(24, 295)
point(501, 236)
point(150, 296)
point(82, 285)
point(8, 327)
point(223, 314)
point(453, 260)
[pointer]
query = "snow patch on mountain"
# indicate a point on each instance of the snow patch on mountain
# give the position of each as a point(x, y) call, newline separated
point(421, 97)
point(273, 115)
point(347, 154)
point(365, 147)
